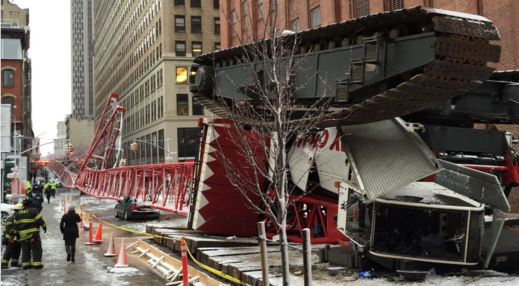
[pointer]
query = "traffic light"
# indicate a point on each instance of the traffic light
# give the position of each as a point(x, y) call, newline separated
point(68, 147)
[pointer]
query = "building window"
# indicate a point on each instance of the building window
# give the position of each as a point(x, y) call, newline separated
point(217, 46)
point(161, 145)
point(161, 107)
point(148, 114)
point(8, 100)
point(180, 2)
point(180, 23)
point(198, 109)
point(180, 48)
point(195, 3)
point(159, 78)
point(216, 4)
point(392, 5)
point(315, 17)
point(294, 26)
point(360, 8)
point(181, 75)
point(188, 139)
point(182, 104)
point(196, 48)
point(217, 26)
point(196, 24)
point(7, 78)
point(153, 111)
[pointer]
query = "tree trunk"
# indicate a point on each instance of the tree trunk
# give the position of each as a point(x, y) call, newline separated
point(285, 264)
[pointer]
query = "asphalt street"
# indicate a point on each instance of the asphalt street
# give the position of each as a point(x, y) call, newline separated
point(91, 267)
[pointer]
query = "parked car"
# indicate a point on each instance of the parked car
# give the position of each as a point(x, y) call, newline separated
point(14, 199)
point(7, 211)
point(130, 209)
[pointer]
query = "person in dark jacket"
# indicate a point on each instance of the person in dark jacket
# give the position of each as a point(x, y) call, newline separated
point(68, 226)
point(48, 193)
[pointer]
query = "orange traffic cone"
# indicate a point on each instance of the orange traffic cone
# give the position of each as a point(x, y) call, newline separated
point(99, 234)
point(110, 251)
point(122, 261)
point(90, 241)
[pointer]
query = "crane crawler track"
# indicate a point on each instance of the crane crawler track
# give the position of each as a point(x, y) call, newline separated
point(462, 47)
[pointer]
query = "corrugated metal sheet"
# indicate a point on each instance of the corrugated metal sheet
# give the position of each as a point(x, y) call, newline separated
point(491, 236)
point(479, 186)
point(387, 156)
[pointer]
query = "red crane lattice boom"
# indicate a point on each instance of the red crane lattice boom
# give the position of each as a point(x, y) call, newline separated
point(102, 173)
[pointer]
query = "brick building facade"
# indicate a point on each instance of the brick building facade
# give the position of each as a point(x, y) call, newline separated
point(299, 15)
point(12, 89)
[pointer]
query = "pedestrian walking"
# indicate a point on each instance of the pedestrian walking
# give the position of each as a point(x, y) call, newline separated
point(53, 187)
point(68, 227)
point(12, 246)
point(27, 225)
point(48, 194)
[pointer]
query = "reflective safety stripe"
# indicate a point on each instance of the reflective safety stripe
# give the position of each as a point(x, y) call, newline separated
point(27, 231)
point(25, 220)
point(4, 261)
point(26, 264)
point(25, 238)
point(37, 263)
point(38, 216)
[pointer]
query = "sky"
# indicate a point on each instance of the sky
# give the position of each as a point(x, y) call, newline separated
point(49, 22)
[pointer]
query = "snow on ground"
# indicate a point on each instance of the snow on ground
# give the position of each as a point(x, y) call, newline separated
point(104, 209)
point(129, 271)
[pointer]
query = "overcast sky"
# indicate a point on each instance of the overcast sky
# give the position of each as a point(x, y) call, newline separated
point(51, 72)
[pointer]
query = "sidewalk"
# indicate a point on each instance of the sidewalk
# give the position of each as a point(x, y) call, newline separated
point(91, 267)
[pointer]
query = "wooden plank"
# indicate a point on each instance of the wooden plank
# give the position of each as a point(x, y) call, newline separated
point(193, 272)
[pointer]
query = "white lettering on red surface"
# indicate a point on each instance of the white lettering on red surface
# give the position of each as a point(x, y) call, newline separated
point(320, 140)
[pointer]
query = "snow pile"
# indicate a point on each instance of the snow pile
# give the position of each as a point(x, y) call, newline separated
point(129, 271)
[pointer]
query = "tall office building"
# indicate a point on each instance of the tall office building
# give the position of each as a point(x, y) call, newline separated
point(143, 50)
point(82, 64)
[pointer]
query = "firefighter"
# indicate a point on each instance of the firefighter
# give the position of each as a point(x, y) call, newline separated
point(28, 189)
point(48, 192)
point(12, 246)
point(27, 223)
point(53, 187)
point(37, 192)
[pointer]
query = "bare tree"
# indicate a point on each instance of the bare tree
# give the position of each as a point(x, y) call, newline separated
point(265, 125)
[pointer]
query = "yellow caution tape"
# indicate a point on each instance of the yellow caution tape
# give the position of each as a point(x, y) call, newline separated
point(216, 272)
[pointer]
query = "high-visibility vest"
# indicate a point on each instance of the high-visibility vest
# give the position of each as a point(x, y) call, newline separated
point(28, 187)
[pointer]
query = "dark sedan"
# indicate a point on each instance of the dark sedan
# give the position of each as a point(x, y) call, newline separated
point(130, 209)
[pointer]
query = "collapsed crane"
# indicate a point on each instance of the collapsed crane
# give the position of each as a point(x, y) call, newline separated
point(373, 170)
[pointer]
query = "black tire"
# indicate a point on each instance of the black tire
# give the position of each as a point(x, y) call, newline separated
point(4, 217)
point(116, 215)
